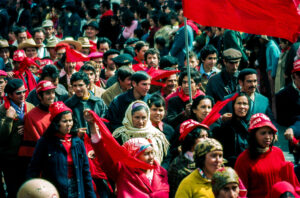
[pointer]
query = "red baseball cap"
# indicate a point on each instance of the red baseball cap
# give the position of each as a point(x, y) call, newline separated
point(19, 55)
point(259, 120)
point(296, 65)
point(44, 85)
point(187, 126)
point(57, 108)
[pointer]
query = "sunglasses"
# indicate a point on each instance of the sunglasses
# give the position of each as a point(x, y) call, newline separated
point(21, 92)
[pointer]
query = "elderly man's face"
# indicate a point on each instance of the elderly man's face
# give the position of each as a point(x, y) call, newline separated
point(48, 32)
point(39, 37)
point(231, 66)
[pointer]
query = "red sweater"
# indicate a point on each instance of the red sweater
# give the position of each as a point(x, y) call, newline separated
point(261, 174)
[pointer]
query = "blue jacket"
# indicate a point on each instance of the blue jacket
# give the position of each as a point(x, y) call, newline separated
point(50, 161)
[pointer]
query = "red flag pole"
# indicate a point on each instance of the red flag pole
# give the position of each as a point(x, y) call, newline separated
point(188, 59)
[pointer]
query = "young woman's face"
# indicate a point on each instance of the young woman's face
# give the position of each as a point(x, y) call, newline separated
point(203, 134)
point(241, 106)
point(139, 119)
point(230, 190)
point(156, 114)
point(65, 124)
point(147, 156)
point(264, 136)
point(203, 109)
point(213, 161)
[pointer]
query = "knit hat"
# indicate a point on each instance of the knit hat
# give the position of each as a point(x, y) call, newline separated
point(222, 177)
point(44, 85)
point(57, 108)
point(136, 146)
point(296, 66)
point(13, 85)
point(19, 55)
point(281, 187)
point(207, 145)
point(259, 120)
point(187, 126)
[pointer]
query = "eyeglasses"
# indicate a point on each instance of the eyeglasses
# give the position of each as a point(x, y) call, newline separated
point(21, 92)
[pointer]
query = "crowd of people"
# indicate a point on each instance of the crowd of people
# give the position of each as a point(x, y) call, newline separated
point(97, 101)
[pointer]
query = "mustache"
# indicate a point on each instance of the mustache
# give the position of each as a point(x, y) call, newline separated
point(252, 87)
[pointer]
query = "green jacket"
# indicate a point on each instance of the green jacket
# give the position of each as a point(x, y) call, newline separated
point(10, 140)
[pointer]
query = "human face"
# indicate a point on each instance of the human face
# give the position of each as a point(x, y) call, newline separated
point(70, 67)
point(60, 53)
point(213, 161)
point(65, 124)
point(171, 83)
point(203, 109)
point(103, 47)
point(52, 52)
point(203, 134)
point(139, 119)
point(152, 60)
point(140, 54)
point(126, 83)
point(193, 62)
point(230, 190)
point(3, 83)
point(110, 63)
point(48, 32)
point(231, 67)
point(21, 37)
point(142, 87)
point(185, 86)
point(4, 53)
point(85, 50)
point(80, 88)
point(31, 52)
point(296, 80)
point(283, 45)
point(91, 32)
point(91, 75)
point(209, 62)
point(54, 81)
point(34, 69)
point(264, 136)
point(18, 96)
point(48, 97)
point(39, 37)
point(147, 156)
point(241, 106)
point(156, 114)
point(99, 62)
point(249, 84)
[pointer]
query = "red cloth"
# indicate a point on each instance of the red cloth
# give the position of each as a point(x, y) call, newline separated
point(276, 18)
point(36, 123)
point(261, 174)
point(157, 74)
point(185, 98)
point(75, 56)
point(107, 13)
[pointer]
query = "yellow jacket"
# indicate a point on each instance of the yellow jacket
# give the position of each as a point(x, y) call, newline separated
point(194, 186)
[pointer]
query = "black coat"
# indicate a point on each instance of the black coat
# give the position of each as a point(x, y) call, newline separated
point(176, 114)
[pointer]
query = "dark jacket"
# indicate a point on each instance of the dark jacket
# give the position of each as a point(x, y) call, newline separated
point(72, 27)
point(117, 108)
point(61, 94)
point(78, 105)
point(176, 114)
point(50, 161)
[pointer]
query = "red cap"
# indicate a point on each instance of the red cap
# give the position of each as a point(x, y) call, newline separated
point(296, 65)
point(187, 126)
point(19, 55)
point(281, 187)
point(45, 62)
point(44, 85)
point(3, 73)
point(57, 108)
point(259, 120)
point(96, 55)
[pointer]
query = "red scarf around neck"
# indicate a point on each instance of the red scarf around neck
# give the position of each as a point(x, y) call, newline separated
point(185, 98)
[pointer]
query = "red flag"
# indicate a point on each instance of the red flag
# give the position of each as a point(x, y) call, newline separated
point(278, 18)
point(75, 56)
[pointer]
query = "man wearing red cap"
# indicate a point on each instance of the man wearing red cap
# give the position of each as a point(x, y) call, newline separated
point(288, 105)
point(37, 120)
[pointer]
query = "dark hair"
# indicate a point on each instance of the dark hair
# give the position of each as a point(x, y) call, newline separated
point(167, 61)
point(253, 145)
point(287, 195)
point(192, 54)
point(127, 18)
point(105, 4)
point(240, 94)
point(154, 17)
point(124, 72)
point(139, 76)
point(138, 32)
point(197, 101)
point(109, 52)
point(152, 51)
point(88, 67)
point(160, 41)
point(207, 50)
point(164, 19)
point(139, 108)
point(20, 30)
point(129, 50)
point(145, 25)
point(194, 75)
point(102, 40)
point(157, 101)
point(54, 126)
point(50, 71)
point(93, 13)
point(38, 29)
point(245, 72)
point(139, 45)
point(80, 76)
point(200, 161)
point(190, 139)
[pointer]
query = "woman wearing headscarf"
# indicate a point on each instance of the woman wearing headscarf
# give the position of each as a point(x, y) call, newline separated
point(262, 164)
point(136, 123)
point(233, 134)
point(208, 157)
point(132, 166)
point(60, 156)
